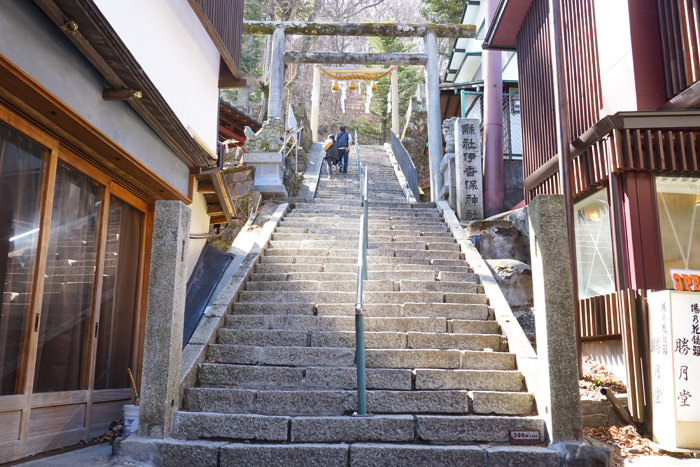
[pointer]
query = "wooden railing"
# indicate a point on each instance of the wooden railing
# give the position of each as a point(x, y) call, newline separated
point(622, 315)
point(599, 317)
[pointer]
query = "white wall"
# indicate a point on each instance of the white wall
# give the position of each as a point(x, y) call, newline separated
point(610, 353)
point(33, 43)
point(199, 223)
point(173, 48)
point(615, 56)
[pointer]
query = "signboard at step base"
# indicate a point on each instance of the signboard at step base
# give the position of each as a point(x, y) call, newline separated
point(674, 368)
point(687, 280)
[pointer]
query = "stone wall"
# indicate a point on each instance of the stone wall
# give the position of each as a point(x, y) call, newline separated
point(513, 179)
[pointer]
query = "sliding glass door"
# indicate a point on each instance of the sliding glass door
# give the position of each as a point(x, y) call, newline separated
point(72, 260)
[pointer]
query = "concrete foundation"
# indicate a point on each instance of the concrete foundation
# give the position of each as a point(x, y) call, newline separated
point(269, 171)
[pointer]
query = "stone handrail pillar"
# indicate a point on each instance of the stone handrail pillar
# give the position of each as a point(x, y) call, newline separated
point(432, 86)
point(315, 102)
point(274, 101)
point(558, 399)
point(395, 101)
point(165, 312)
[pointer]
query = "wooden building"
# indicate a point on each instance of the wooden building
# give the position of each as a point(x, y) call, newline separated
point(105, 108)
point(630, 78)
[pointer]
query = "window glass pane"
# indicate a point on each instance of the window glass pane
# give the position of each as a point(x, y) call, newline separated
point(119, 296)
point(594, 258)
point(20, 189)
point(677, 201)
point(69, 279)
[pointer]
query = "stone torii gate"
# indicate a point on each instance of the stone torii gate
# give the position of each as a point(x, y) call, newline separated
point(429, 33)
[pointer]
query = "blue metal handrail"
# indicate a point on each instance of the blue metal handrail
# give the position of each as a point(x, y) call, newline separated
point(361, 277)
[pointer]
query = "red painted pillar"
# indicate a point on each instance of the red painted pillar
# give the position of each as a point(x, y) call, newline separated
point(494, 185)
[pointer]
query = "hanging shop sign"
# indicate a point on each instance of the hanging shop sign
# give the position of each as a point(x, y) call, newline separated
point(687, 280)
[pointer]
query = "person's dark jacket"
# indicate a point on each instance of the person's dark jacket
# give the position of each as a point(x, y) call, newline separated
point(332, 152)
point(343, 139)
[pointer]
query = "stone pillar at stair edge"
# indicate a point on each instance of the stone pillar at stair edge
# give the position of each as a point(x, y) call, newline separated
point(432, 86)
point(395, 100)
point(558, 399)
point(315, 102)
point(162, 348)
point(274, 100)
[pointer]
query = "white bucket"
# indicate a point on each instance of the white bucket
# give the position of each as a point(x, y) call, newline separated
point(131, 419)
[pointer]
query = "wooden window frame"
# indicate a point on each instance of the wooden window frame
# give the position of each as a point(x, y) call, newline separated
point(26, 399)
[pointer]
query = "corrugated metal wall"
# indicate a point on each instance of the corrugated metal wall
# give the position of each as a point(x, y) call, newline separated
point(226, 16)
point(680, 39)
point(582, 88)
point(537, 96)
point(646, 150)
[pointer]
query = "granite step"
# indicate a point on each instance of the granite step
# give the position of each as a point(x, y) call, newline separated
point(334, 322)
point(315, 402)
point(328, 276)
point(214, 453)
point(296, 377)
point(298, 430)
point(439, 359)
point(257, 337)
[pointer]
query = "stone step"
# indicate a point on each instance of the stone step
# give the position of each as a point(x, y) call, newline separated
point(205, 453)
point(380, 310)
point(442, 340)
point(483, 380)
point(311, 243)
point(439, 359)
point(373, 262)
point(351, 267)
point(322, 377)
point(337, 252)
point(336, 332)
point(330, 323)
point(346, 297)
point(285, 356)
point(349, 285)
point(300, 429)
point(350, 236)
point(467, 311)
point(473, 326)
point(503, 403)
point(397, 214)
point(351, 229)
point(428, 275)
point(257, 337)
point(315, 402)
point(374, 224)
point(440, 286)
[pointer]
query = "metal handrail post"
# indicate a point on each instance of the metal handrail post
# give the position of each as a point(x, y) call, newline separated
point(365, 209)
point(360, 327)
point(357, 154)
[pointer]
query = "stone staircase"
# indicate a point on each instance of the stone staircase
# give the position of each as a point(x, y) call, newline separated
point(279, 386)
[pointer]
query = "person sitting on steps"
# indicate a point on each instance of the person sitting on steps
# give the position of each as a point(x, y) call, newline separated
point(344, 141)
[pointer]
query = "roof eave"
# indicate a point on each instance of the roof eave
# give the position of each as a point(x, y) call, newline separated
point(503, 31)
